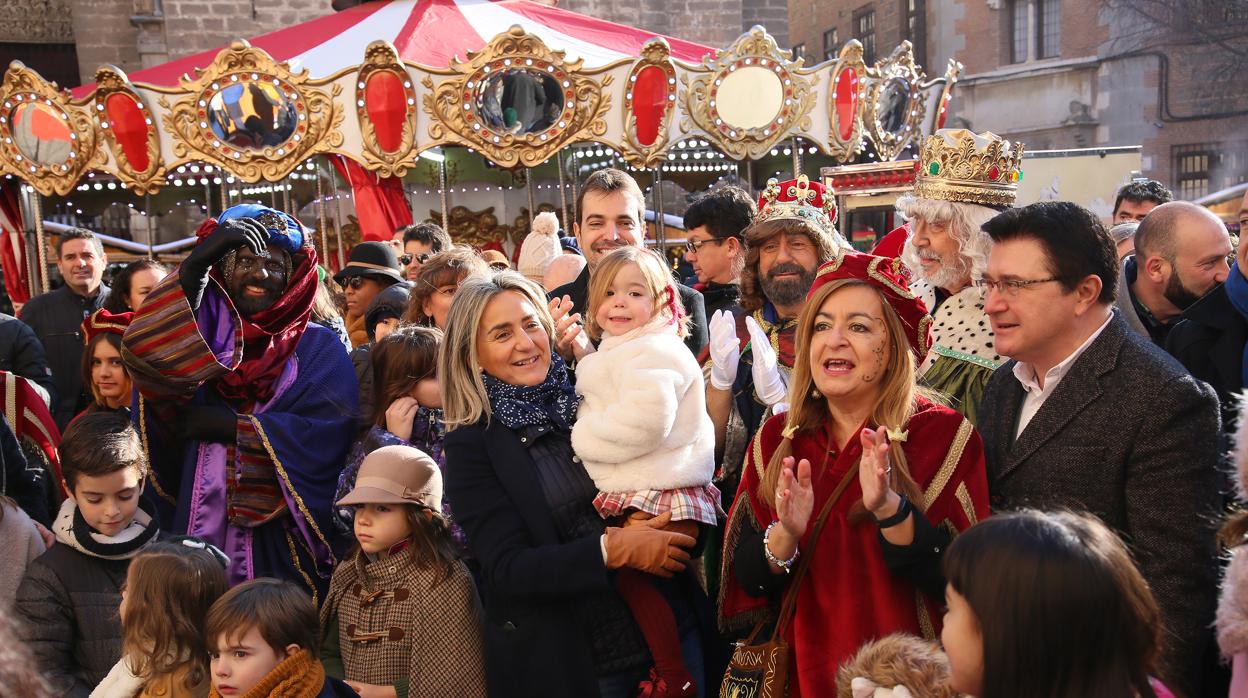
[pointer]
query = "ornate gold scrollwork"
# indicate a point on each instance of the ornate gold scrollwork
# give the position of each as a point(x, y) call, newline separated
point(656, 53)
point(467, 108)
point(772, 81)
point(895, 84)
point(109, 81)
point(246, 132)
point(47, 141)
point(382, 57)
point(845, 148)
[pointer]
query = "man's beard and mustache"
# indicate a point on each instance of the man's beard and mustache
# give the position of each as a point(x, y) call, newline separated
point(1178, 294)
point(787, 291)
point(950, 276)
point(247, 304)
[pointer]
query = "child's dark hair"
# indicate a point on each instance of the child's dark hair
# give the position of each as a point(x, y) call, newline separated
point(281, 612)
point(98, 444)
point(432, 543)
point(1062, 609)
point(169, 589)
point(401, 360)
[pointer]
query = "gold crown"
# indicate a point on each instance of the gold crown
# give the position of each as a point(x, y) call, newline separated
point(798, 199)
point(957, 165)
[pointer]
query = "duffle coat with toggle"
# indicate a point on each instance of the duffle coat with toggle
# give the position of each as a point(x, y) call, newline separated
point(399, 623)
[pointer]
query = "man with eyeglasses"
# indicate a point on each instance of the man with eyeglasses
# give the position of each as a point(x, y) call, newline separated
point(56, 316)
point(1091, 416)
point(372, 267)
point(420, 242)
point(715, 246)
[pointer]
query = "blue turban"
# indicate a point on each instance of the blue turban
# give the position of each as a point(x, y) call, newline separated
point(284, 231)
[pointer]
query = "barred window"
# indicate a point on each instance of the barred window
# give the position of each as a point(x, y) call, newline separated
point(914, 27)
point(1048, 28)
point(1191, 169)
point(799, 51)
point(1020, 11)
point(830, 44)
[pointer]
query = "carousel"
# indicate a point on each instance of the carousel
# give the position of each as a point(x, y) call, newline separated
point(475, 115)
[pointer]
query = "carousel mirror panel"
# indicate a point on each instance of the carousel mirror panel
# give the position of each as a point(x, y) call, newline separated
point(520, 101)
point(252, 115)
point(750, 97)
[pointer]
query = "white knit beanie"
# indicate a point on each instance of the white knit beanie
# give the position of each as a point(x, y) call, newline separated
point(540, 246)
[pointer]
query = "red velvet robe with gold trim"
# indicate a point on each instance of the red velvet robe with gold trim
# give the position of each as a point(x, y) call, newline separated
point(849, 595)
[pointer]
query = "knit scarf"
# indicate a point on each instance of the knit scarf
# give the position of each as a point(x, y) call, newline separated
point(298, 676)
point(553, 402)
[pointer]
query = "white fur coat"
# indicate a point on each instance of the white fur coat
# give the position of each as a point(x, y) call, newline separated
point(642, 423)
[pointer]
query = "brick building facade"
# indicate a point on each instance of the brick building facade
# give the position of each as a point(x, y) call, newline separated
point(1059, 74)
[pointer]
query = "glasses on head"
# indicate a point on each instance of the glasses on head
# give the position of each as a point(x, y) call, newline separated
point(695, 245)
point(1010, 288)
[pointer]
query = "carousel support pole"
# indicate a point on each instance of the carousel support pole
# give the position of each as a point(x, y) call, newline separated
point(272, 195)
point(749, 177)
point(446, 217)
point(208, 197)
point(528, 185)
point(660, 224)
point(797, 157)
point(576, 183)
point(333, 180)
point(225, 195)
point(320, 214)
point(40, 245)
point(563, 194)
point(286, 194)
point(151, 233)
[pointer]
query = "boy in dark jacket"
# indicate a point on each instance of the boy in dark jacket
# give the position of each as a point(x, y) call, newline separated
point(68, 600)
point(262, 637)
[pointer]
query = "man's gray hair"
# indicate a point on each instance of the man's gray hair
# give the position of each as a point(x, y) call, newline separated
point(965, 227)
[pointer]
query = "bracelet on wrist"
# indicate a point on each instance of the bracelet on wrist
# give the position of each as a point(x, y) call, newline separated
point(786, 565)
point(903, 512)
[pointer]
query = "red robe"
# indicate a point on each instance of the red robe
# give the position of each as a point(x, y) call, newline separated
point(849, 595)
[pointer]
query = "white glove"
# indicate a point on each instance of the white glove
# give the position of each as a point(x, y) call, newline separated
point(725, 350)
point(768, 384)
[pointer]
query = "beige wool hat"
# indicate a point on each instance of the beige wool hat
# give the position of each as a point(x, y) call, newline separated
point(397, 475)
point(540, 247)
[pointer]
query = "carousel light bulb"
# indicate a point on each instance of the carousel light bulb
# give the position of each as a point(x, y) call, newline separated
point(788, 151)
point(177, 182)
point(195, 168)
point(112, 185)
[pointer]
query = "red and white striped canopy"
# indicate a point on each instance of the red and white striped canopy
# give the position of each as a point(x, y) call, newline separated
point(431, 32)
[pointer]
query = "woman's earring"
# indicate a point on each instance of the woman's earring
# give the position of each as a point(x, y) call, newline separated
point(815, 394)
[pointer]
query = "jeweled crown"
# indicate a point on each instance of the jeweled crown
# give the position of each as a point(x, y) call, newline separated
point(958, 165)
point(798, 199)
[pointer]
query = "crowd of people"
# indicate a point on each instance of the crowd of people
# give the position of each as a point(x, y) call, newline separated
point(990, 458)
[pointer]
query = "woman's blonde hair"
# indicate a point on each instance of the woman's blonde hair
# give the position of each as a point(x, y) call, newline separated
point(658, 281)
point(808, 409)
point(169, 589)
point(464, 401)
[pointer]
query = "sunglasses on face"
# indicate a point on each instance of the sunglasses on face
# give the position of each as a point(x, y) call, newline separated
point(406, 259)
point(354, 282)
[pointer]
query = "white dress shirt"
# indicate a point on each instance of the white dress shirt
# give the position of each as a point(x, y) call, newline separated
point(1036, 395)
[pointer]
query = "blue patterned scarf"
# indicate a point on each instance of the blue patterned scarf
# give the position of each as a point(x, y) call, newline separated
point(552, 402)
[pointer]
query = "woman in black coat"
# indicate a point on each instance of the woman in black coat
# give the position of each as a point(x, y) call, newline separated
point(554, 624)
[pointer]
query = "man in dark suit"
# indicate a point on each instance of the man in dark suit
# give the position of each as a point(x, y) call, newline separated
point(611, 213)
point(1090, 415)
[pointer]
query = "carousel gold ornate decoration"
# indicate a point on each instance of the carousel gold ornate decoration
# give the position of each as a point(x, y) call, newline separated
point(47, 141)
point(958, 165)
point(750, 98)
point(893, 109)
point(653, 78)
point(385, 102)
point(516, 100)
point(129, 130)
point(845, 88)
point(253, 116)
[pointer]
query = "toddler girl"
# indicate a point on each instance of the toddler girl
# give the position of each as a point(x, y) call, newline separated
point(642, 429)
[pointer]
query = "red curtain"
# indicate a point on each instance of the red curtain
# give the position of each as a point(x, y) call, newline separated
point(380, 203)
point(13, 246)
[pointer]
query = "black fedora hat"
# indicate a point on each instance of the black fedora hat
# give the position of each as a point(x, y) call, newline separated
point(376, 259)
